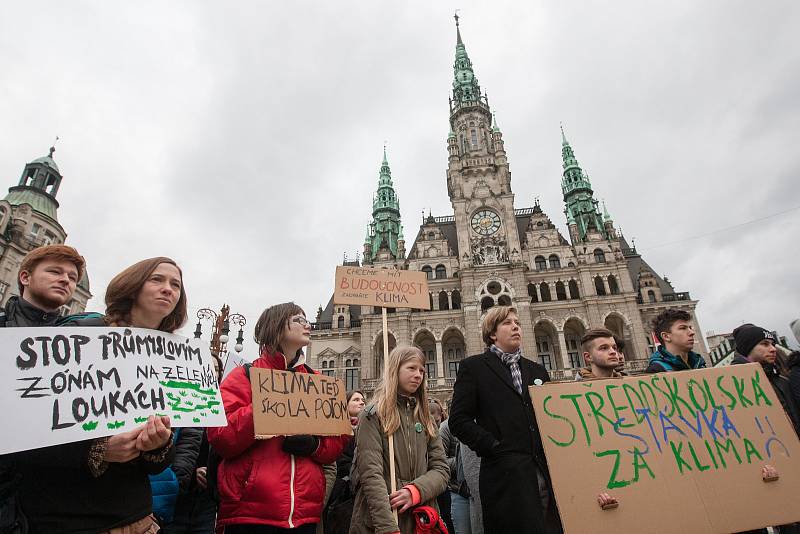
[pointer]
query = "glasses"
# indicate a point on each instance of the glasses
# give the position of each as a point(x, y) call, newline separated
point(302, 321)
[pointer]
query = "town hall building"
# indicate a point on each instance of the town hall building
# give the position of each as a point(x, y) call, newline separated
point(488, 252)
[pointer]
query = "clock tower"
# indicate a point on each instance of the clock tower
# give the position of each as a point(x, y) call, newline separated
point(478, 177)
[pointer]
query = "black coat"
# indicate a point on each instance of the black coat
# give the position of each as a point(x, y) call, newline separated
point(782, 387)
point(490, 417)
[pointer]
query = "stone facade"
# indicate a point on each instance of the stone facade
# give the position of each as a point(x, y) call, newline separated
point(28, 219)
point(490, 253)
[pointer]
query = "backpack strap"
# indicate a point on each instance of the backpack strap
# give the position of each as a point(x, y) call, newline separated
point(247, 367)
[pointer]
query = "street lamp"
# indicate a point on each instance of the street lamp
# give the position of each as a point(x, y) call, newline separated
point(221, 329)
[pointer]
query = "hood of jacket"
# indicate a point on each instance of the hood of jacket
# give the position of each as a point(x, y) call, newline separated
point(277, 360)
point(671, 362)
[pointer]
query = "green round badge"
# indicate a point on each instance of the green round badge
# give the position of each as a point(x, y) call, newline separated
point(418, 427)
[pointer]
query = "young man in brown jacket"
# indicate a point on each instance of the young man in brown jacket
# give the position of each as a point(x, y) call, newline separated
point(600, 352)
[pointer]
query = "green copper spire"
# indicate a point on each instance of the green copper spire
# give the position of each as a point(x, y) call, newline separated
point(606, 216)
point(465, 85)
point(581, 207)
point(495, 128)
point(385, 229)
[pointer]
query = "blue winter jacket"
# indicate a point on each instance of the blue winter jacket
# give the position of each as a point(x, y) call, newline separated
point(662, 360)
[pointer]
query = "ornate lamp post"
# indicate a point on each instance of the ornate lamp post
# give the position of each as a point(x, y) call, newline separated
point(222, 325)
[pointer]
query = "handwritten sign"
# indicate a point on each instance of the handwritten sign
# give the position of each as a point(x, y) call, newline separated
point(681, 452)
point(232, 362)
point(287, 403)
point(387, 288)
point(60, 385)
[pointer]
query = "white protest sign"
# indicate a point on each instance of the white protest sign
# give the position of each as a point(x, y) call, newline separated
point(59, 385)
point(233, 361)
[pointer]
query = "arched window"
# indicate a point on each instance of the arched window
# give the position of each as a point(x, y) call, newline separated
point(504, 300)
point(561, 291)
point(544, 291)
point(324, 364)
point(441, 272)
point(348, 363)
point(431, 298)
point(431, 236)
point(540, 263)
point(486, 303)
point(455, 296)
point(613, 287)
point(598, 286)
point(340, 322)
point(443, 302)
point(555, 263)
point(356, 363)
point(428, 272)
point(651, 295)
point(599, 256)
point(532, 293)
point(573, 290)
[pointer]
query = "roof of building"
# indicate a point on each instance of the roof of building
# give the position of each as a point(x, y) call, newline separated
point(636, 264)
point(327, 314)
point(38, 200)
point(49, 161)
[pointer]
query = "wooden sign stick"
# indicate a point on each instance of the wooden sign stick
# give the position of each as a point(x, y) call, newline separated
point(392, 478)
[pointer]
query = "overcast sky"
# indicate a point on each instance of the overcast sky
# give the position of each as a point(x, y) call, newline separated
point(244, 139)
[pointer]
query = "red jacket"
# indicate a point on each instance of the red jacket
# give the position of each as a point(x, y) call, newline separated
point(258, 482)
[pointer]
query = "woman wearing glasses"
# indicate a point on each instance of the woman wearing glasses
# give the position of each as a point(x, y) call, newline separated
point(274, 485)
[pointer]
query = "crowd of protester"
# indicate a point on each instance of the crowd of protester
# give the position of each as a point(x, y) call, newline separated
point(482, 469)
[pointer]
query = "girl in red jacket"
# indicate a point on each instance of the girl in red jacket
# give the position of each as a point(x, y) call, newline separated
point(272, 485)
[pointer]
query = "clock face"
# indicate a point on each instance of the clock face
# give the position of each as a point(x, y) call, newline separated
point(485, 222)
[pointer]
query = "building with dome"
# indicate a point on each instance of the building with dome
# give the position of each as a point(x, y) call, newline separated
point(29, 219)
point(489, 252)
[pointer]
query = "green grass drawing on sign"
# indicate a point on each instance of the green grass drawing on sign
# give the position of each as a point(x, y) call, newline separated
point(175, 384)
point(196, 419)
point(214, 411)
point(140, 419)
point(180, 401)
point(115, 425)
point(89, 425)
point(176, 416)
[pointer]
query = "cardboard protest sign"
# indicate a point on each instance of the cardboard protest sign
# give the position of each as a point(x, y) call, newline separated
point(287, 403)
point(681, 452)
point(387, 288)
point(60, 385)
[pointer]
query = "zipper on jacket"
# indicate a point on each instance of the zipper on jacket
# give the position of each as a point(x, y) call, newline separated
point(291, 494)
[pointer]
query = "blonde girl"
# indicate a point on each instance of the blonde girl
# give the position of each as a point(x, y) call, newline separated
point(399, 408)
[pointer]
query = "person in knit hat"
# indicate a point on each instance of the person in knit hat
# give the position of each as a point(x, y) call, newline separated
point(755, 344)
point(600, 352)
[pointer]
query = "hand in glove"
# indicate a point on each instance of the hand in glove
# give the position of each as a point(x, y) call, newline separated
point(304, 445)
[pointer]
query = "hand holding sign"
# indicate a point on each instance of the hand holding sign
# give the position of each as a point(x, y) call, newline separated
point(122, 447)
point(155, 434)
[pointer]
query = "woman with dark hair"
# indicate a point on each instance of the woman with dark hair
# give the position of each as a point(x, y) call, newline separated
point(271, 485)
point(148, 294)
point(111, 491)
